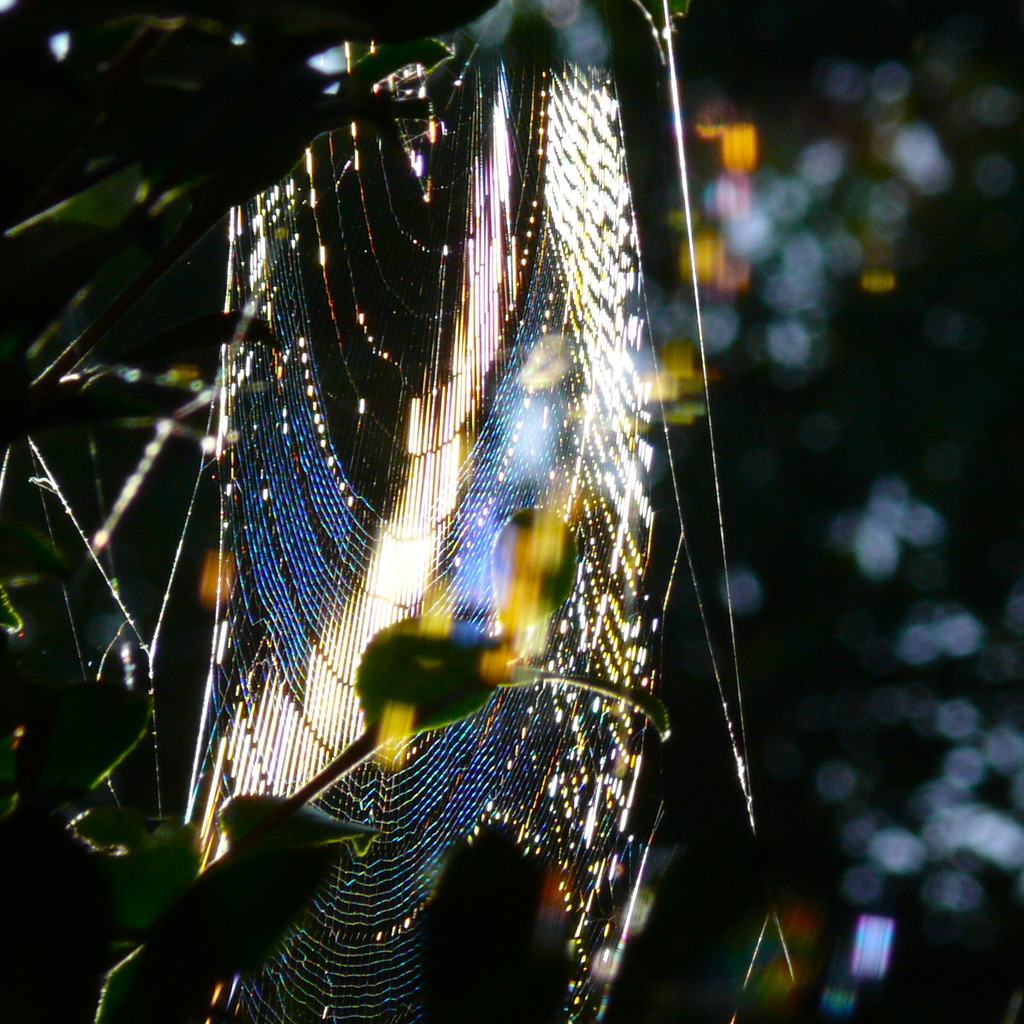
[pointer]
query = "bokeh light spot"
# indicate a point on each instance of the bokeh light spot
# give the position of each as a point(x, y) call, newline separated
point(897, 851)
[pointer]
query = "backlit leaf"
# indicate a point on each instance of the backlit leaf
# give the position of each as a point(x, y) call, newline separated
point(110, 828)
point(228, 921)
point(308, 826)
point(392, 57)
point(147, 879)
point(443, 676)
point(9, 617)
point(535, 561)
point(78, 738)
point(146, 870)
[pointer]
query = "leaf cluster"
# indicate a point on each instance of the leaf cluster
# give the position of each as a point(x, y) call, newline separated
point(130, 130)
point(106, 892)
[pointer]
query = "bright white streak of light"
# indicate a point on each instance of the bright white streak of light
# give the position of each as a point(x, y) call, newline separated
point(132, 484)
point(785, 945)
point(757, 949)
point(3, 471)
point(51, 482)
point(739, 744)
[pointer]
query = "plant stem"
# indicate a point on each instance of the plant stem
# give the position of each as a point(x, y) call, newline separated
point(354, 754)
point(187, 235)
point(650, 705)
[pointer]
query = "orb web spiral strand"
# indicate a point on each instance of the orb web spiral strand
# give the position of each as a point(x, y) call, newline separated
point(459, 333)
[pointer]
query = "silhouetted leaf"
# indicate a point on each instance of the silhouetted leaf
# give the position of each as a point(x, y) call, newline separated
point(228, 921)
point(390, 58)
point(246, 134)
point(496, 937)
point(58, 925)
point(44, 274)
point(197, 335)
point(25, 554)
point(407, 20)
point(308, 826)
point(14, 384)
point(104, 397)
point(47, 259)
point(79, 737)
point(347, 19)
point(40, 119)
point(21, 698)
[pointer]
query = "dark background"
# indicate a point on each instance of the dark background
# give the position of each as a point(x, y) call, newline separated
point(869, 447)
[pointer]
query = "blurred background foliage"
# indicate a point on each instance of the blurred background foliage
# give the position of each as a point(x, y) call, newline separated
point(857, 171)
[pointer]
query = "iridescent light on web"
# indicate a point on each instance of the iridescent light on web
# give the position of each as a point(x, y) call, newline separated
point(872, 947)
point(459, 337)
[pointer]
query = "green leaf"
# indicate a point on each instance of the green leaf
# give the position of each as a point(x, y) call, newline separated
point(9, 617)
point(228, 921)
point(26, 555)
point(111, 828)
point(8, 791)
point(147, 879)
point(119, 986)
point(392, 57)
point(653, 707)
point(308, 826)
point(104, 205)
point(442, 677)
point(80, 736)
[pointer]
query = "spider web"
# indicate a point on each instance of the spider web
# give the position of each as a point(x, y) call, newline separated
point(460, 333)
